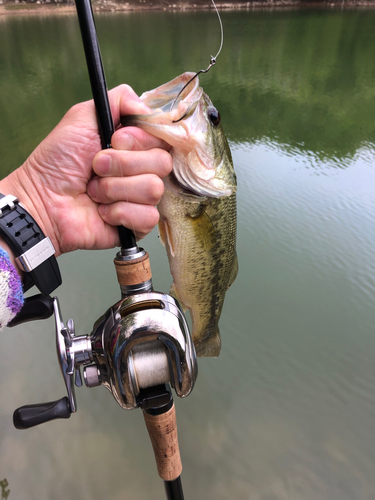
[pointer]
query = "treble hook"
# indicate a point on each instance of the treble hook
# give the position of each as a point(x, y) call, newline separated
point(212, 63)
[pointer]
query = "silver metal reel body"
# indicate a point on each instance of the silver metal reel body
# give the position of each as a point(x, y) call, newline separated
point(143, 341)
point(140, 342)
point(72, 352)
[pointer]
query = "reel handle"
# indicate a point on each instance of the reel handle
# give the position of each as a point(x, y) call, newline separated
point(32, 415)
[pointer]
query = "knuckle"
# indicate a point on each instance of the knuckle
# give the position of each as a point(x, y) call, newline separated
point(167, 163)
point(162, 162)
point(104, 190)
point(150, 220)
point(125, 88)
point(79, 108)
point(155, 216)
point(156, 188)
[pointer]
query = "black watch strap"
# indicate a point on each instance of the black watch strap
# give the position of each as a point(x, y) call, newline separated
point(34, 252)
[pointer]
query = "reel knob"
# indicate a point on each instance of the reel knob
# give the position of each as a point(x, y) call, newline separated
point(32, 415)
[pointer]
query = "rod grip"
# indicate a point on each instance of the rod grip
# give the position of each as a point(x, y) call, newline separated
point(162, 430)
point(133, 272)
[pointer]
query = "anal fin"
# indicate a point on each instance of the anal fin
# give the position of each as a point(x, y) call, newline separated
point(209, 346)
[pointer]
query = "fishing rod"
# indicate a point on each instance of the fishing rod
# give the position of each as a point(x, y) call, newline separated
point(132, 264)
point(141, 345)
point(99, 91)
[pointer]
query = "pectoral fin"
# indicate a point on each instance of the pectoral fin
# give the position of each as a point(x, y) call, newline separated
point(166, 235)
point(174, 293)
point(162, 233)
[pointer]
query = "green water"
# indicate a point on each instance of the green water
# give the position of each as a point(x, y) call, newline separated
point(288, 409)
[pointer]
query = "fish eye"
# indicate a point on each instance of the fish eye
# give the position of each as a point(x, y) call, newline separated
point(214, 115)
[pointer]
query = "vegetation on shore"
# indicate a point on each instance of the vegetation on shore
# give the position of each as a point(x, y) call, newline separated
point(46, 6)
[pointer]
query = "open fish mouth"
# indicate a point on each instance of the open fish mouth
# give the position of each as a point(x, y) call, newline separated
point(173, 93)
point(182, 117)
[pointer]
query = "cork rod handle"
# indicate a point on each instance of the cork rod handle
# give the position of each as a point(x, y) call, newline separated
point(133, 272)
point(162, 430)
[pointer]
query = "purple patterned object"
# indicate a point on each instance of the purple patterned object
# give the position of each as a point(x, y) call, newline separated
point(11, 294)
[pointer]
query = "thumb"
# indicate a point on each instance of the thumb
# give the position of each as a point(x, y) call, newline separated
point(124, 101)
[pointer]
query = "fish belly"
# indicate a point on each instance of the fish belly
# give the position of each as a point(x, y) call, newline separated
point(200, 235)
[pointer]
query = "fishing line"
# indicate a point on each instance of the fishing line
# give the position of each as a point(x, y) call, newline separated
point(212, 63)
point(125, 191)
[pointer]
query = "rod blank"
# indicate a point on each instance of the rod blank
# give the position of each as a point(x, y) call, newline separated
point(99, 91)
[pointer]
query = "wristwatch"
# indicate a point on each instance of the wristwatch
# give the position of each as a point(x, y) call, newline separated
point(33, 250)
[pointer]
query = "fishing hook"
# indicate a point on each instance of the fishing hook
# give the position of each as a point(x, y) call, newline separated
point(212, 63)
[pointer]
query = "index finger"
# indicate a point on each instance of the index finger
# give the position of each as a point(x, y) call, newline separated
point(124, 101)
point(136, 139)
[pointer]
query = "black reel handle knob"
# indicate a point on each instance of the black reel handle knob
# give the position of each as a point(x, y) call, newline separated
point(34, 308)
point(32, 415)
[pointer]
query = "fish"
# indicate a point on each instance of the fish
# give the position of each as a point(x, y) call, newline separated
point(198, 215)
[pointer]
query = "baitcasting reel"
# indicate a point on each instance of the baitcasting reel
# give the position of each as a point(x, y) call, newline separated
point(141, 342)
point(136, 349)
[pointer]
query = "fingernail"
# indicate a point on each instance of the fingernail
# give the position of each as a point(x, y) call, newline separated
point(92, 188)
point(125, 141)
point(103, 164)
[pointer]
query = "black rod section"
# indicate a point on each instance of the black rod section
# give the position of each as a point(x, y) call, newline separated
point(173, 489)
point(99, 91)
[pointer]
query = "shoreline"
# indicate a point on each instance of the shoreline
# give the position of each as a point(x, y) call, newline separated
point(46, 7)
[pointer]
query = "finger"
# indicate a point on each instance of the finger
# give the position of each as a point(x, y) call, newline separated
point(124, 101)
point(139, 218)
point(144, 189)
point(113, 163)
point(136, 139)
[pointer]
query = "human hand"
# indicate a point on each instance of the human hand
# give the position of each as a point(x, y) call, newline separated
point(76, 210)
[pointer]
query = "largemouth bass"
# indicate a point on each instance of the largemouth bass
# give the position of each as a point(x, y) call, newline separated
point(198, 209)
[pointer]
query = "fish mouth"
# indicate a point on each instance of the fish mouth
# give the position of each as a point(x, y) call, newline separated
point(168, 96)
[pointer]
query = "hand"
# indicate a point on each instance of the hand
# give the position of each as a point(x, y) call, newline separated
point(76, 210)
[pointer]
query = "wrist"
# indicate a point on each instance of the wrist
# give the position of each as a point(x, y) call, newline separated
point(31, 249)
point(20, 184)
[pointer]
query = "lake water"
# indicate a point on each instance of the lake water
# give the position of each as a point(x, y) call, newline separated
point(288, 409)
